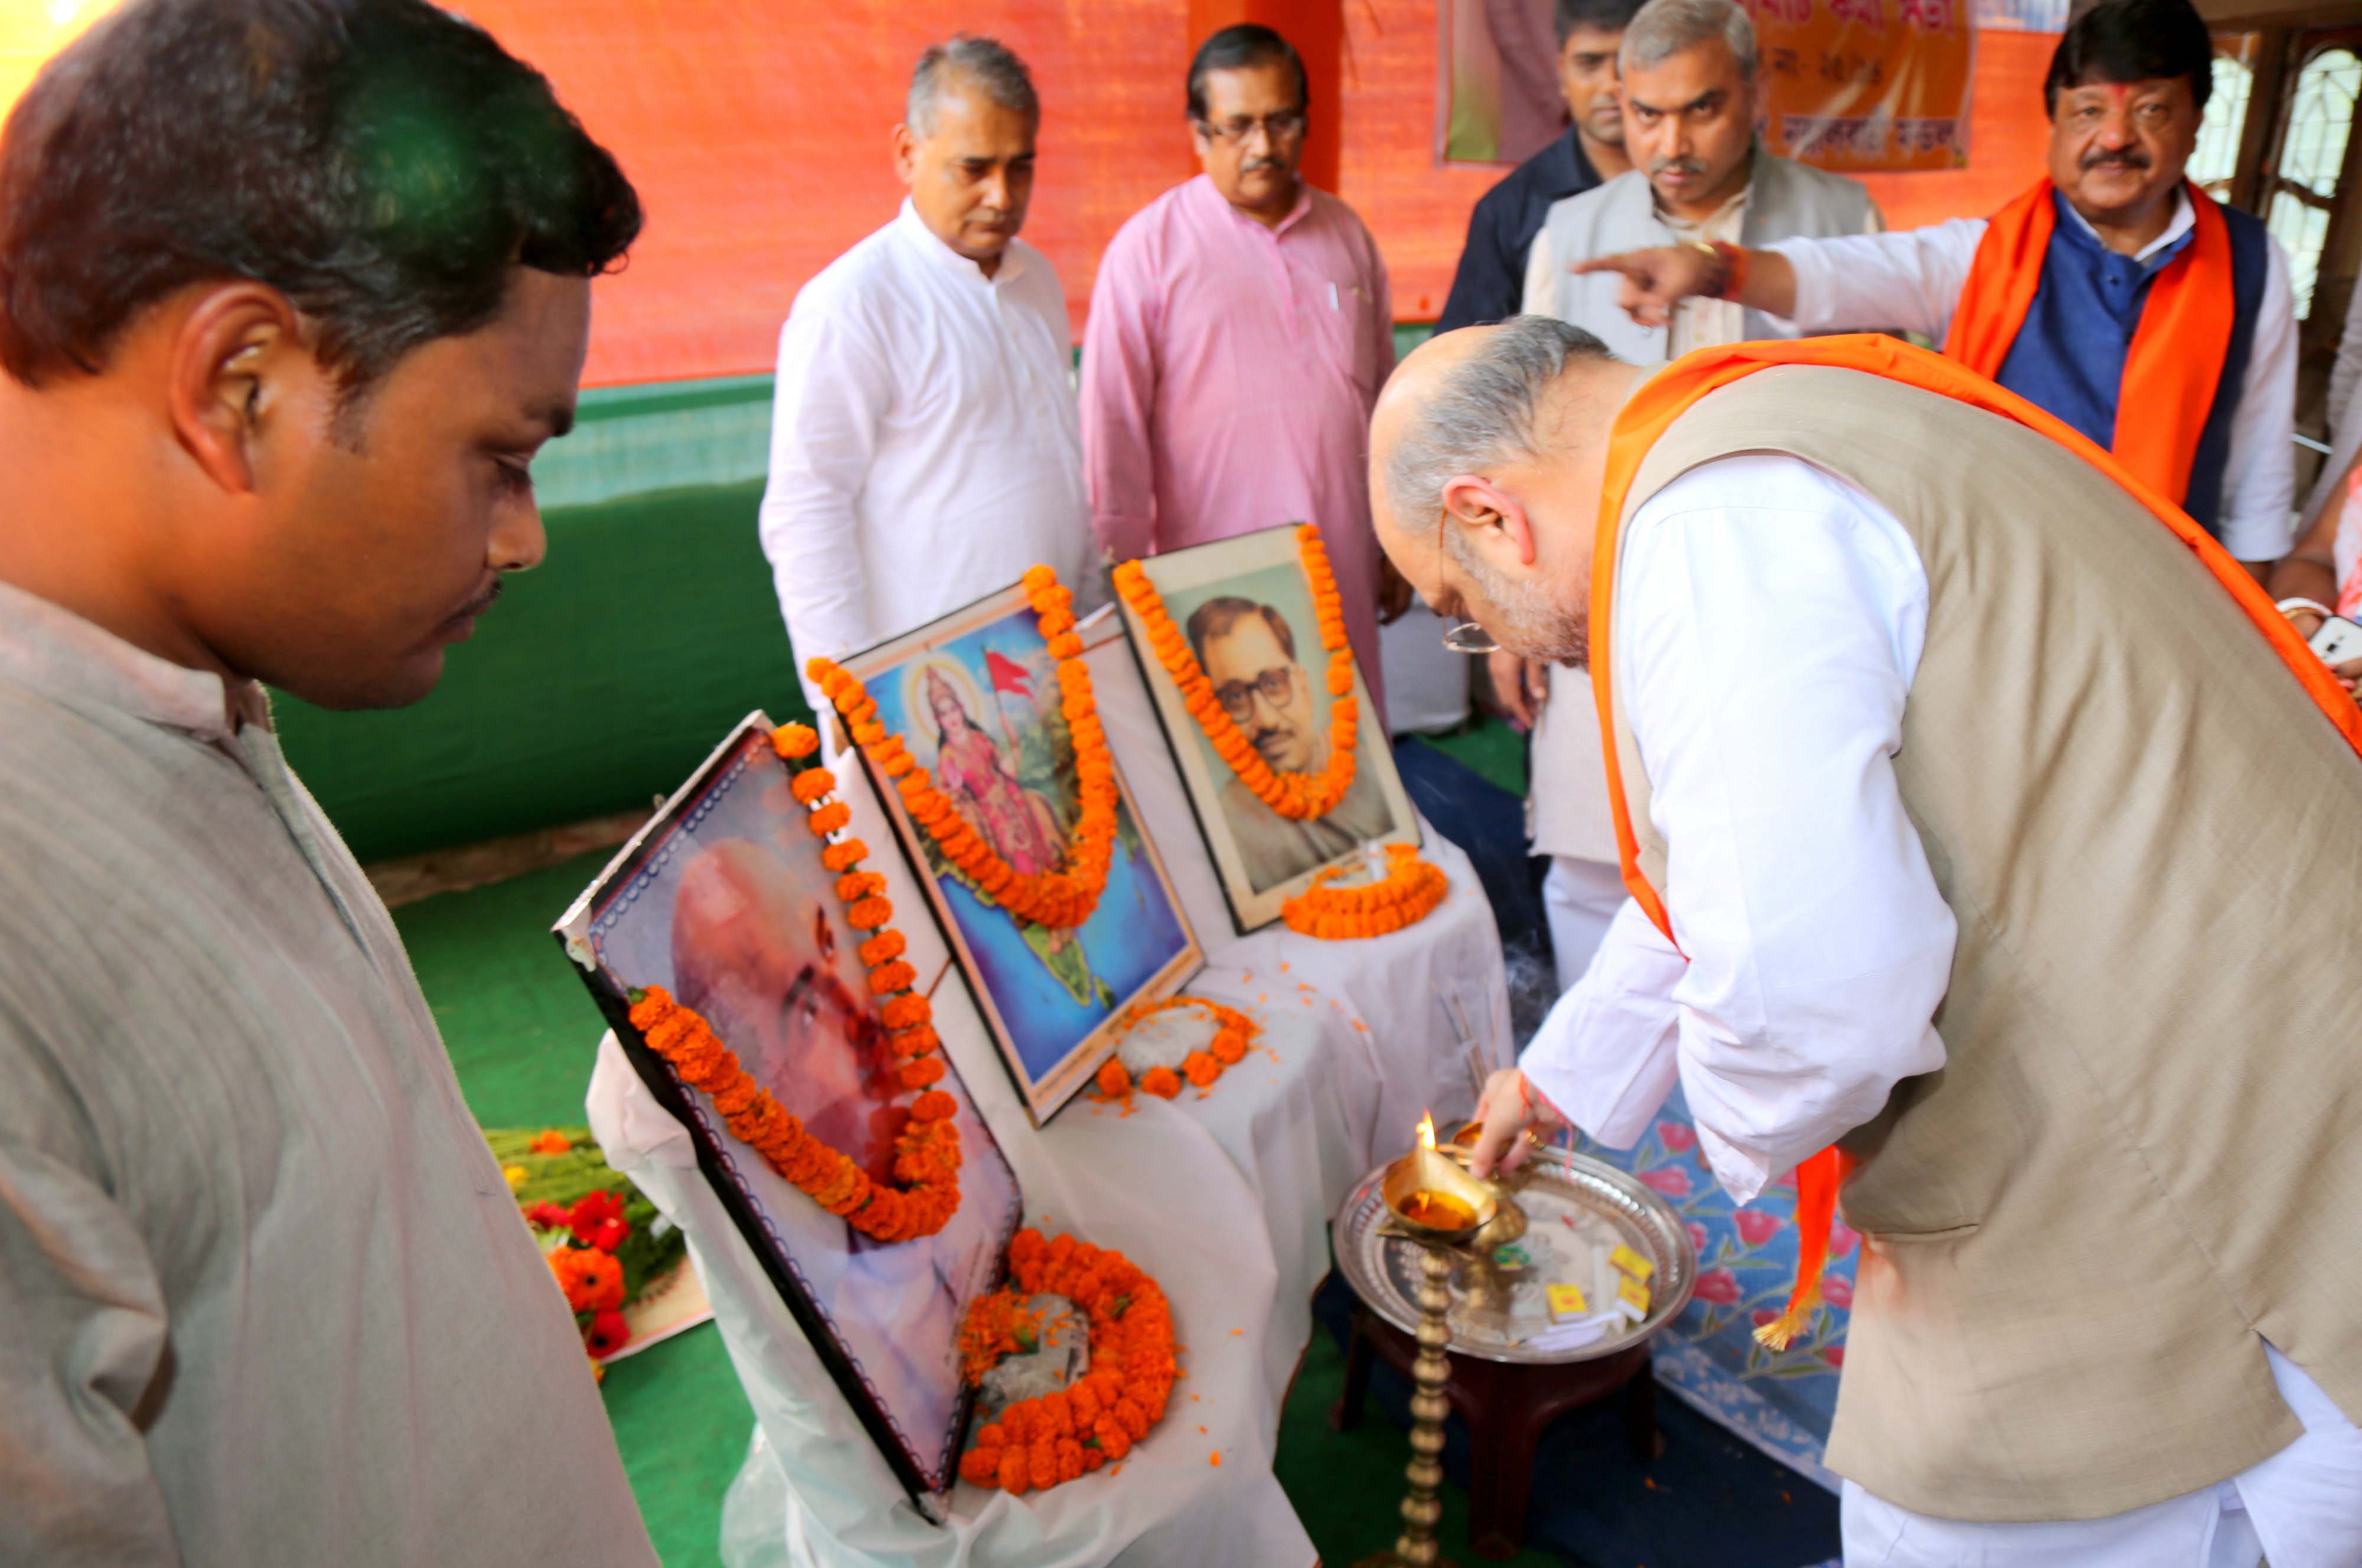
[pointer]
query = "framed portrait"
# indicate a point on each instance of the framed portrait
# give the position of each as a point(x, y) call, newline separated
point(722, 901)
point(1244, 606)
point(975, 697)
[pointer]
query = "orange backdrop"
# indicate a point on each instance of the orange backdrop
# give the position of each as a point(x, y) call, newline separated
point(758, 137)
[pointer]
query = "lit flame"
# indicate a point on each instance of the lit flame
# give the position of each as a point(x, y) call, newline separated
point(1427, 1131)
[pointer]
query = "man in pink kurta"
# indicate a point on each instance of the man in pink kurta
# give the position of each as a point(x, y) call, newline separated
point(1239, 331)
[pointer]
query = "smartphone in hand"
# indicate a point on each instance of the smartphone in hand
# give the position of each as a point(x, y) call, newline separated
point(2337, 640)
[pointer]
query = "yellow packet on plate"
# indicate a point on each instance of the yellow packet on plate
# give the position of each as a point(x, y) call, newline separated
point(1633, 1263)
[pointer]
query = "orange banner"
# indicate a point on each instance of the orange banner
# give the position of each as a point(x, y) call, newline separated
point(1866, 85)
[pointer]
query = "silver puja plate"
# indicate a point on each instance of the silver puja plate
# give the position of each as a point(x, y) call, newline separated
point(1577, 1210)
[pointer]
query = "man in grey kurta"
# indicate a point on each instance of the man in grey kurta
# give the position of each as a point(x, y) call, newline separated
point(270, 383)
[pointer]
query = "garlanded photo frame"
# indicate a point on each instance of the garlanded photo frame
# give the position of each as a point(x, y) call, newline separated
point(1245, 609)
point(976, 698)
point(722, 901)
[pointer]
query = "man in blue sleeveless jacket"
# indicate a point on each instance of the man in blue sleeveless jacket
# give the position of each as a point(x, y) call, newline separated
point(2114, 270)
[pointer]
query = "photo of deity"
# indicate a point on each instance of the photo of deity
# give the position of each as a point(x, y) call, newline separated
point(723, 902)
point(1245, 609)
point(976, 698)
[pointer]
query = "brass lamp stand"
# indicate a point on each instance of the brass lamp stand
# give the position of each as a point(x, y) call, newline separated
point(1424, 1173)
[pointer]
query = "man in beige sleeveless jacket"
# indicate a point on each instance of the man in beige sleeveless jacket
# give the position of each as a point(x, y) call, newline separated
point(1997, 844)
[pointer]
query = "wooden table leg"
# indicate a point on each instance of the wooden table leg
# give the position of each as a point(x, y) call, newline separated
point(1506, 1408)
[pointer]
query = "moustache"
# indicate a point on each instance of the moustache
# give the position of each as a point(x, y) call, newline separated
point(483, 600)
point(1255, 165)
point(1677, 165)
point(1272, 732)
point(2138, 162)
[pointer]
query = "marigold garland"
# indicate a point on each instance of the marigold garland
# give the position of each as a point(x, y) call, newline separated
point(1294, 795)
point(1234, 1033)
point(1062, 898)
point(1403, 897)
point(1054, 1437)
point(927, 1150)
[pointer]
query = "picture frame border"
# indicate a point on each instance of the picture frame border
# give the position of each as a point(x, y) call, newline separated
point(1056, 1090)
point(717, 1162)
point(1199, 785)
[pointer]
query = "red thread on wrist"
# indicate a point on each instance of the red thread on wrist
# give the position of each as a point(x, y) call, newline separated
point(1734, 270)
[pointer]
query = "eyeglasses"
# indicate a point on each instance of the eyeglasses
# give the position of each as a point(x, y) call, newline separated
point(1460, 636)
point(1286, 126)
point(1273, 684)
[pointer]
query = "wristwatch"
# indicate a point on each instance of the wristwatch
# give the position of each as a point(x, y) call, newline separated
point(2290, 606)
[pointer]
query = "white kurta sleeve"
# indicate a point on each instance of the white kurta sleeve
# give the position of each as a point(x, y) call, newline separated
point(2260, 474)
point(1606, 1056)
point(1769, 622)
point(1908, 280)
point(833, 391)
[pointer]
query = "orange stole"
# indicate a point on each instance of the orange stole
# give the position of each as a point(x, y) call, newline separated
point(2177, 353)
point(1663, 399)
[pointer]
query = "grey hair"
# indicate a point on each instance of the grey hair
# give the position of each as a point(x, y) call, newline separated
point(982, 63)
point(1481, 414)
point(1665, 27)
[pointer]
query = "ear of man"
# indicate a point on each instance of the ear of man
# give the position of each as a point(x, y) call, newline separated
point(1495, 519)
point(238, 371)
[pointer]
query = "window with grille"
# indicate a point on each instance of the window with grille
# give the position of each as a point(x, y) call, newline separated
point(2312, 151)
point(2216, 160)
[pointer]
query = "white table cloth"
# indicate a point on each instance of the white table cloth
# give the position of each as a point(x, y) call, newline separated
point(1223, 1196)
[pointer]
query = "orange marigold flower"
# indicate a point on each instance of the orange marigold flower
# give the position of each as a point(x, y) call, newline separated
point(980, 1467)
point(886, 945)
point(1113, 1081)
point(1229, 1047)
point(550, 1141)
point(906, 1013)
point(918, 1074)
point(888, 979)
point(869, 913)
point(812, 784)
point(1200, 1069)
point(934, 1106)
point(1013, 1469)
point(854, 886)
point(829, 818)
point(794, 741)
point(1162, 1082)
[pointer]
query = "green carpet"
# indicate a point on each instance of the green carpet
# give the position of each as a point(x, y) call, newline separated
point(522, 1032)
point(1490, 748)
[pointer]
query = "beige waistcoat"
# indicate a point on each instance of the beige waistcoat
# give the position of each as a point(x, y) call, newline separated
point(2145, 1150)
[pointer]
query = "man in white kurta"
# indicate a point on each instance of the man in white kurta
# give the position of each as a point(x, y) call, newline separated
point(925, 449)
point(1768, 621)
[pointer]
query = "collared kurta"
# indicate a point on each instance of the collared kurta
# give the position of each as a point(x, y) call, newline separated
point(1229, 371)
point(924, 442)
point(265, 1298)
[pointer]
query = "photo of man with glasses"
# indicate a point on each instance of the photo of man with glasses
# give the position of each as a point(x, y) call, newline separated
point(1248, 651)
point(1239, 329)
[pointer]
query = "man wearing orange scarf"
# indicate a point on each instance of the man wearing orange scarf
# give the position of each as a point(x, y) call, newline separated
point(1961, 840)
point(2115, 294)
